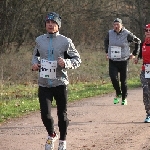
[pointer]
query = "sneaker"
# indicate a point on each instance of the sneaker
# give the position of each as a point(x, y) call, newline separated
point(147, 120)
point(116, 99)
point(50, 142)
point(124, 102)
point(62, 145)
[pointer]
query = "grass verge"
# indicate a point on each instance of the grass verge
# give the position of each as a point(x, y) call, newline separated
point(22, 103)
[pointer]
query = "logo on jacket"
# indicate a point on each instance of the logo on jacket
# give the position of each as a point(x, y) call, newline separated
point(143, 48)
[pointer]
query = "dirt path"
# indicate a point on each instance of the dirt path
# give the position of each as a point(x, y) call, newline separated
point(96, 124)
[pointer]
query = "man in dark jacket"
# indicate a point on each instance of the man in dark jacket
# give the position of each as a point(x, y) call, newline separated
point(117, 48)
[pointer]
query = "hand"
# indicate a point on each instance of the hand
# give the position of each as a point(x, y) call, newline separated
point(61, 62)
point(132, 56)
point(36, 67)
point(136, 61)
point(107, 57)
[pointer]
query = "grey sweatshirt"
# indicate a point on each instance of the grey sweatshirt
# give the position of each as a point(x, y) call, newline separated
point(50, 47)
point(123, 40)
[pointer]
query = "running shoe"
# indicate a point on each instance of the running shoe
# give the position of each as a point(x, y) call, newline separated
point(116, 99)
point(62, 145)
point(50, 142)
point(124, 102)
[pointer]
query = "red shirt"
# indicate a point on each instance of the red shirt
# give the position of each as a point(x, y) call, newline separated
point(145, 55)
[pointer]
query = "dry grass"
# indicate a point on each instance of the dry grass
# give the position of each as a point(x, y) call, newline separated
point(15, 70)
point(18, 90)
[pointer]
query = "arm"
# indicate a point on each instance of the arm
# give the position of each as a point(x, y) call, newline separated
point(35, 61)
point(140, 53)
point(106, 43)
point(137, 41)
point(71, 57)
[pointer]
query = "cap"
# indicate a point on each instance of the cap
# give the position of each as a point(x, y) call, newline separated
point(118, 20)
point(147, 26)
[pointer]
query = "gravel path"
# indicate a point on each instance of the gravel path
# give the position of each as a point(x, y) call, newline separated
point(95, 124)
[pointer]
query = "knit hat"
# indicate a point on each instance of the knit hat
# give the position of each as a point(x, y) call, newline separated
point(55, 17)
point(118, 20)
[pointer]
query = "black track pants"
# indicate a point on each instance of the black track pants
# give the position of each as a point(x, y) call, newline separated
point(45, 98)
point(116, 67)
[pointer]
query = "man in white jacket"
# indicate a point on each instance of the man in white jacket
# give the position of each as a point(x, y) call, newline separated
point(57, 54)
point(117, 48)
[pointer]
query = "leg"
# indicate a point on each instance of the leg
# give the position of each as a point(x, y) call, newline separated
point(148, 107)
point(60, 95)
point(45, 98)
point(113, 73)
point(146, 92)
point(123, 78)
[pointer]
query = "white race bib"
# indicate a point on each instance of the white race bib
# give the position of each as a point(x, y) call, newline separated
point(48, 69)
point(147, 70)
point(115, 52)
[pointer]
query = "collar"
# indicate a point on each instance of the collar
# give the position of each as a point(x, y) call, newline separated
point(52, 35)
point(147, 40)
point(120, 30)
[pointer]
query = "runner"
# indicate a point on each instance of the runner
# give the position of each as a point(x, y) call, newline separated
point(57, 54)
point(145, 73)
point(117, 48)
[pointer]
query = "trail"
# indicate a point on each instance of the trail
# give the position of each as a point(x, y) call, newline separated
point(95, 124)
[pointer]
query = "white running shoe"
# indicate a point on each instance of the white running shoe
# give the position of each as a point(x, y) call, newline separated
point(62, 145)
point(50, 142)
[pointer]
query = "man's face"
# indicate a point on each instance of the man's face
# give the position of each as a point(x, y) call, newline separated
point(147, 32)
point(117, 26)
point(51, 26)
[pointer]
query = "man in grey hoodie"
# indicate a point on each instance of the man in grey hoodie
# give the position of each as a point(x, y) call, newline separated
point(117, 48)
point(57, 53)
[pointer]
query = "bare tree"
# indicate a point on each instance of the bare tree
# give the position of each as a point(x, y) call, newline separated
point(84, 21)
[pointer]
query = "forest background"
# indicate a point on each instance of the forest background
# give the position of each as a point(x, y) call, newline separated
point(86, 22)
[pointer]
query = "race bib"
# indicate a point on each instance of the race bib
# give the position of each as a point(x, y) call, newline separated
point(147, 70)
point(115, 52)
point(48, 69)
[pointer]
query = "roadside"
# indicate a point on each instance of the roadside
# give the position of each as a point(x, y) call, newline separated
point(96, 124)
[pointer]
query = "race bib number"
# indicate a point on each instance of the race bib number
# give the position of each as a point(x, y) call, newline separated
point(147, 70)
point(115, 52)
point(48, 69)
